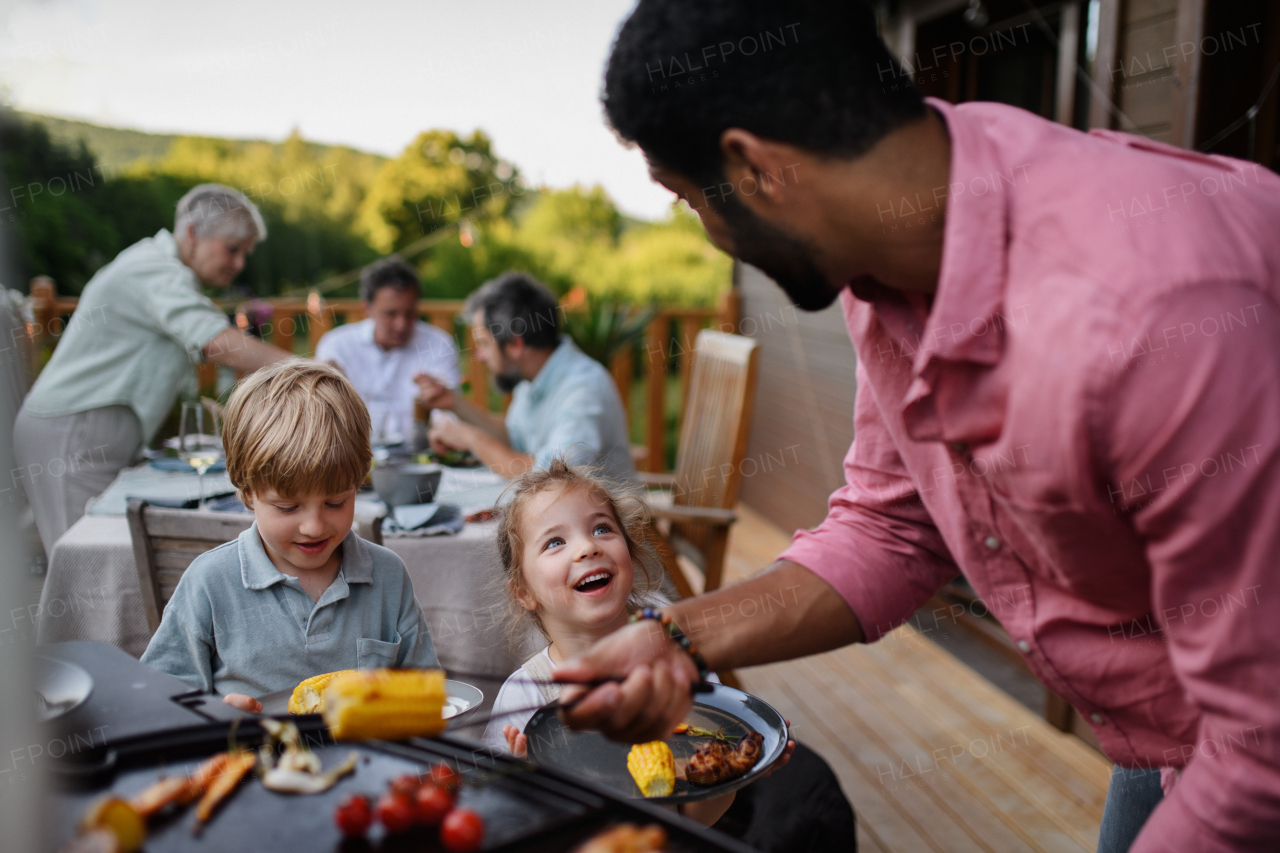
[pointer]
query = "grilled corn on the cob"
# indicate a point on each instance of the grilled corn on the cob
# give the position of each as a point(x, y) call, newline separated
point(385, 703)
point(307, 696)
point(653, 767)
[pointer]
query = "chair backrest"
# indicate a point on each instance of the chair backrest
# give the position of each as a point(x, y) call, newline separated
point(166, 541)
point(719, 404)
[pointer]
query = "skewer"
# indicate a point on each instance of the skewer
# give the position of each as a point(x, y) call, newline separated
point(697, 687)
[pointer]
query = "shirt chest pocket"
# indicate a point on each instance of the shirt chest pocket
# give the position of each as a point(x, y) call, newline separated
point(376, 654)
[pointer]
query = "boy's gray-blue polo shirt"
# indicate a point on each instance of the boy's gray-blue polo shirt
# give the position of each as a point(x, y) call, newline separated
point(236, 624)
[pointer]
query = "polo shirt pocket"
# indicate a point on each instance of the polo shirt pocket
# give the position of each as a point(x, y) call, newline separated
point(376, 654)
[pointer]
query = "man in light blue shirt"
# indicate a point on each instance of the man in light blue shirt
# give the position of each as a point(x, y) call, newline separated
point(563, 402)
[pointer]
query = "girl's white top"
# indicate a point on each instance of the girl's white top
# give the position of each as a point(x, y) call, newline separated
point(517, 700)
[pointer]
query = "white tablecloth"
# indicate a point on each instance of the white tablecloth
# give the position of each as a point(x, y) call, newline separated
point(92, 591)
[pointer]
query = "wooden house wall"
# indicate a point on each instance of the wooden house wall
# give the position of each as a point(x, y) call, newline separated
point(803, 419)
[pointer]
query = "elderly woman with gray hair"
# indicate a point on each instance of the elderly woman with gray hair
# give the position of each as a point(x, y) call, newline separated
point(141, 323)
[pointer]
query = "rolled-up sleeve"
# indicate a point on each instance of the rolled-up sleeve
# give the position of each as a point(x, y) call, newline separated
point(171, 305)
point(1200, 424)
point(878, 546)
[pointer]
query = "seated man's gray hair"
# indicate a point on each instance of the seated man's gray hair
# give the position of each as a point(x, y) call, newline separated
point(515, 304)
point(218, 211)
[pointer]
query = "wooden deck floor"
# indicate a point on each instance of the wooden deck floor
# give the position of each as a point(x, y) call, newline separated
point(932, 756)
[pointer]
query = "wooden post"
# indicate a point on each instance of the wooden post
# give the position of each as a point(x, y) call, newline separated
point(1068, 48)
point(476, 374)
point(729, 310)
point(281, 335)
point(688, 331)
point(1186, 94)
point(623, 368)
point(656, 373)
point(1104, 60)
point(44, 297)
point(441, 320)
point(320, 320)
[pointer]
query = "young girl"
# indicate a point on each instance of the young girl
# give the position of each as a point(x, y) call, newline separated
point(576, 564)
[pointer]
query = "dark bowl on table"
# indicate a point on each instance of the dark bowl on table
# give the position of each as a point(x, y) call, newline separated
point(403, 483)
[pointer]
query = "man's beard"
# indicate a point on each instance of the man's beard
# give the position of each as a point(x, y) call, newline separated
point(785, 259)
point(507, 380)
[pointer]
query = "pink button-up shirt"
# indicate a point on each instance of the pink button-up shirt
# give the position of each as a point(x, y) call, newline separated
point(1086, 423)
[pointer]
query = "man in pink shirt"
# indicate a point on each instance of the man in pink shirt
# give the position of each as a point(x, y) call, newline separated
point(1068, 368)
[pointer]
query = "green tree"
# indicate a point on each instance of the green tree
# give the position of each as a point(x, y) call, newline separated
point(437, 180)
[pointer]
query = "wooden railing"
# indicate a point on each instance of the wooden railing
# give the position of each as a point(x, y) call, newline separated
point(668, 347)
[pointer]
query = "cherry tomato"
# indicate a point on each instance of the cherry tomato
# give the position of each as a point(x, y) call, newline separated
point(446, 777)
point(353, 816)
point(406, 785)
point(433, 803)
point(395, 812)
point(462, 831)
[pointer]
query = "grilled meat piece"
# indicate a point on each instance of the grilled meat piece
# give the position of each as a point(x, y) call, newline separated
point(716, 762)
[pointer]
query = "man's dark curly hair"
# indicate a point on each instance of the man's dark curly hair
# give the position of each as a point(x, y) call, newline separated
point(810, 73)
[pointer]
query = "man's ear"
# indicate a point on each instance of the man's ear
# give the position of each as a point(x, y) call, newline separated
point(757, 169)
point(514, 348)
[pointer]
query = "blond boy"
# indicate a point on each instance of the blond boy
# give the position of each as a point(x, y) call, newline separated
point(298, 593)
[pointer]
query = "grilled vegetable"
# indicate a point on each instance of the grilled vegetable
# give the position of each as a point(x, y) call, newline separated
point(653, 767)
point(385, 703)
point(308, 696)
point(238, 764)
point(119, 818)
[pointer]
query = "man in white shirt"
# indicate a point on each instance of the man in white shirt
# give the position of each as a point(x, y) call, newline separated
point(384, 353)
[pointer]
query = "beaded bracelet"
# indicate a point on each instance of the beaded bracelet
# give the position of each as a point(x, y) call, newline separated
point(672, 630)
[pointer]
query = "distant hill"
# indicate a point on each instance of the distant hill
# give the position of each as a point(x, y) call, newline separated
point(116, 147)
point(112, 146)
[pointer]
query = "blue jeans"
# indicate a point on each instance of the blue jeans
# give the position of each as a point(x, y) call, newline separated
point(1131, 797)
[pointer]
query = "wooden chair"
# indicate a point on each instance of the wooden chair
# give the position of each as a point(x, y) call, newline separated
point(697, 511)
point(165, 541)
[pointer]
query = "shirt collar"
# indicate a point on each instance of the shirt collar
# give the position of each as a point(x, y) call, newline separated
point(553, 368)
point(964, 322)
point(258, 572)
point(165, 243)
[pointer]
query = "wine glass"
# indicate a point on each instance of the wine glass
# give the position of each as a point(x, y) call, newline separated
point(198, 448)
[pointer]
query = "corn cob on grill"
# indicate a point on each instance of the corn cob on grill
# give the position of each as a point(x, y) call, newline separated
point(385, 703)
point(307, 696)
point(653, 767)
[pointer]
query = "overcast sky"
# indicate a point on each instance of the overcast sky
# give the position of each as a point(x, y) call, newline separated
point(368, 74)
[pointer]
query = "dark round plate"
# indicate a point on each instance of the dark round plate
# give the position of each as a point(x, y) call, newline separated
point(594, 757)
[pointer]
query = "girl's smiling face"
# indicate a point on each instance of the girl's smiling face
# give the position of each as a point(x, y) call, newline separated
point(575, 563)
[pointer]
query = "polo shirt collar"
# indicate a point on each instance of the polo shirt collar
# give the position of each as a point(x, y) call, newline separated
point(258, 572)
point(549, 376)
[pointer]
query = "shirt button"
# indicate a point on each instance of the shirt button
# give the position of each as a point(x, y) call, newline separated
point(991, 542)
point(1096, 717)
point(1024, 646)
point(958, 446)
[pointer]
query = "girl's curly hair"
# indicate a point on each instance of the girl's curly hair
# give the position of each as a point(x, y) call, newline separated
point(630, 512)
